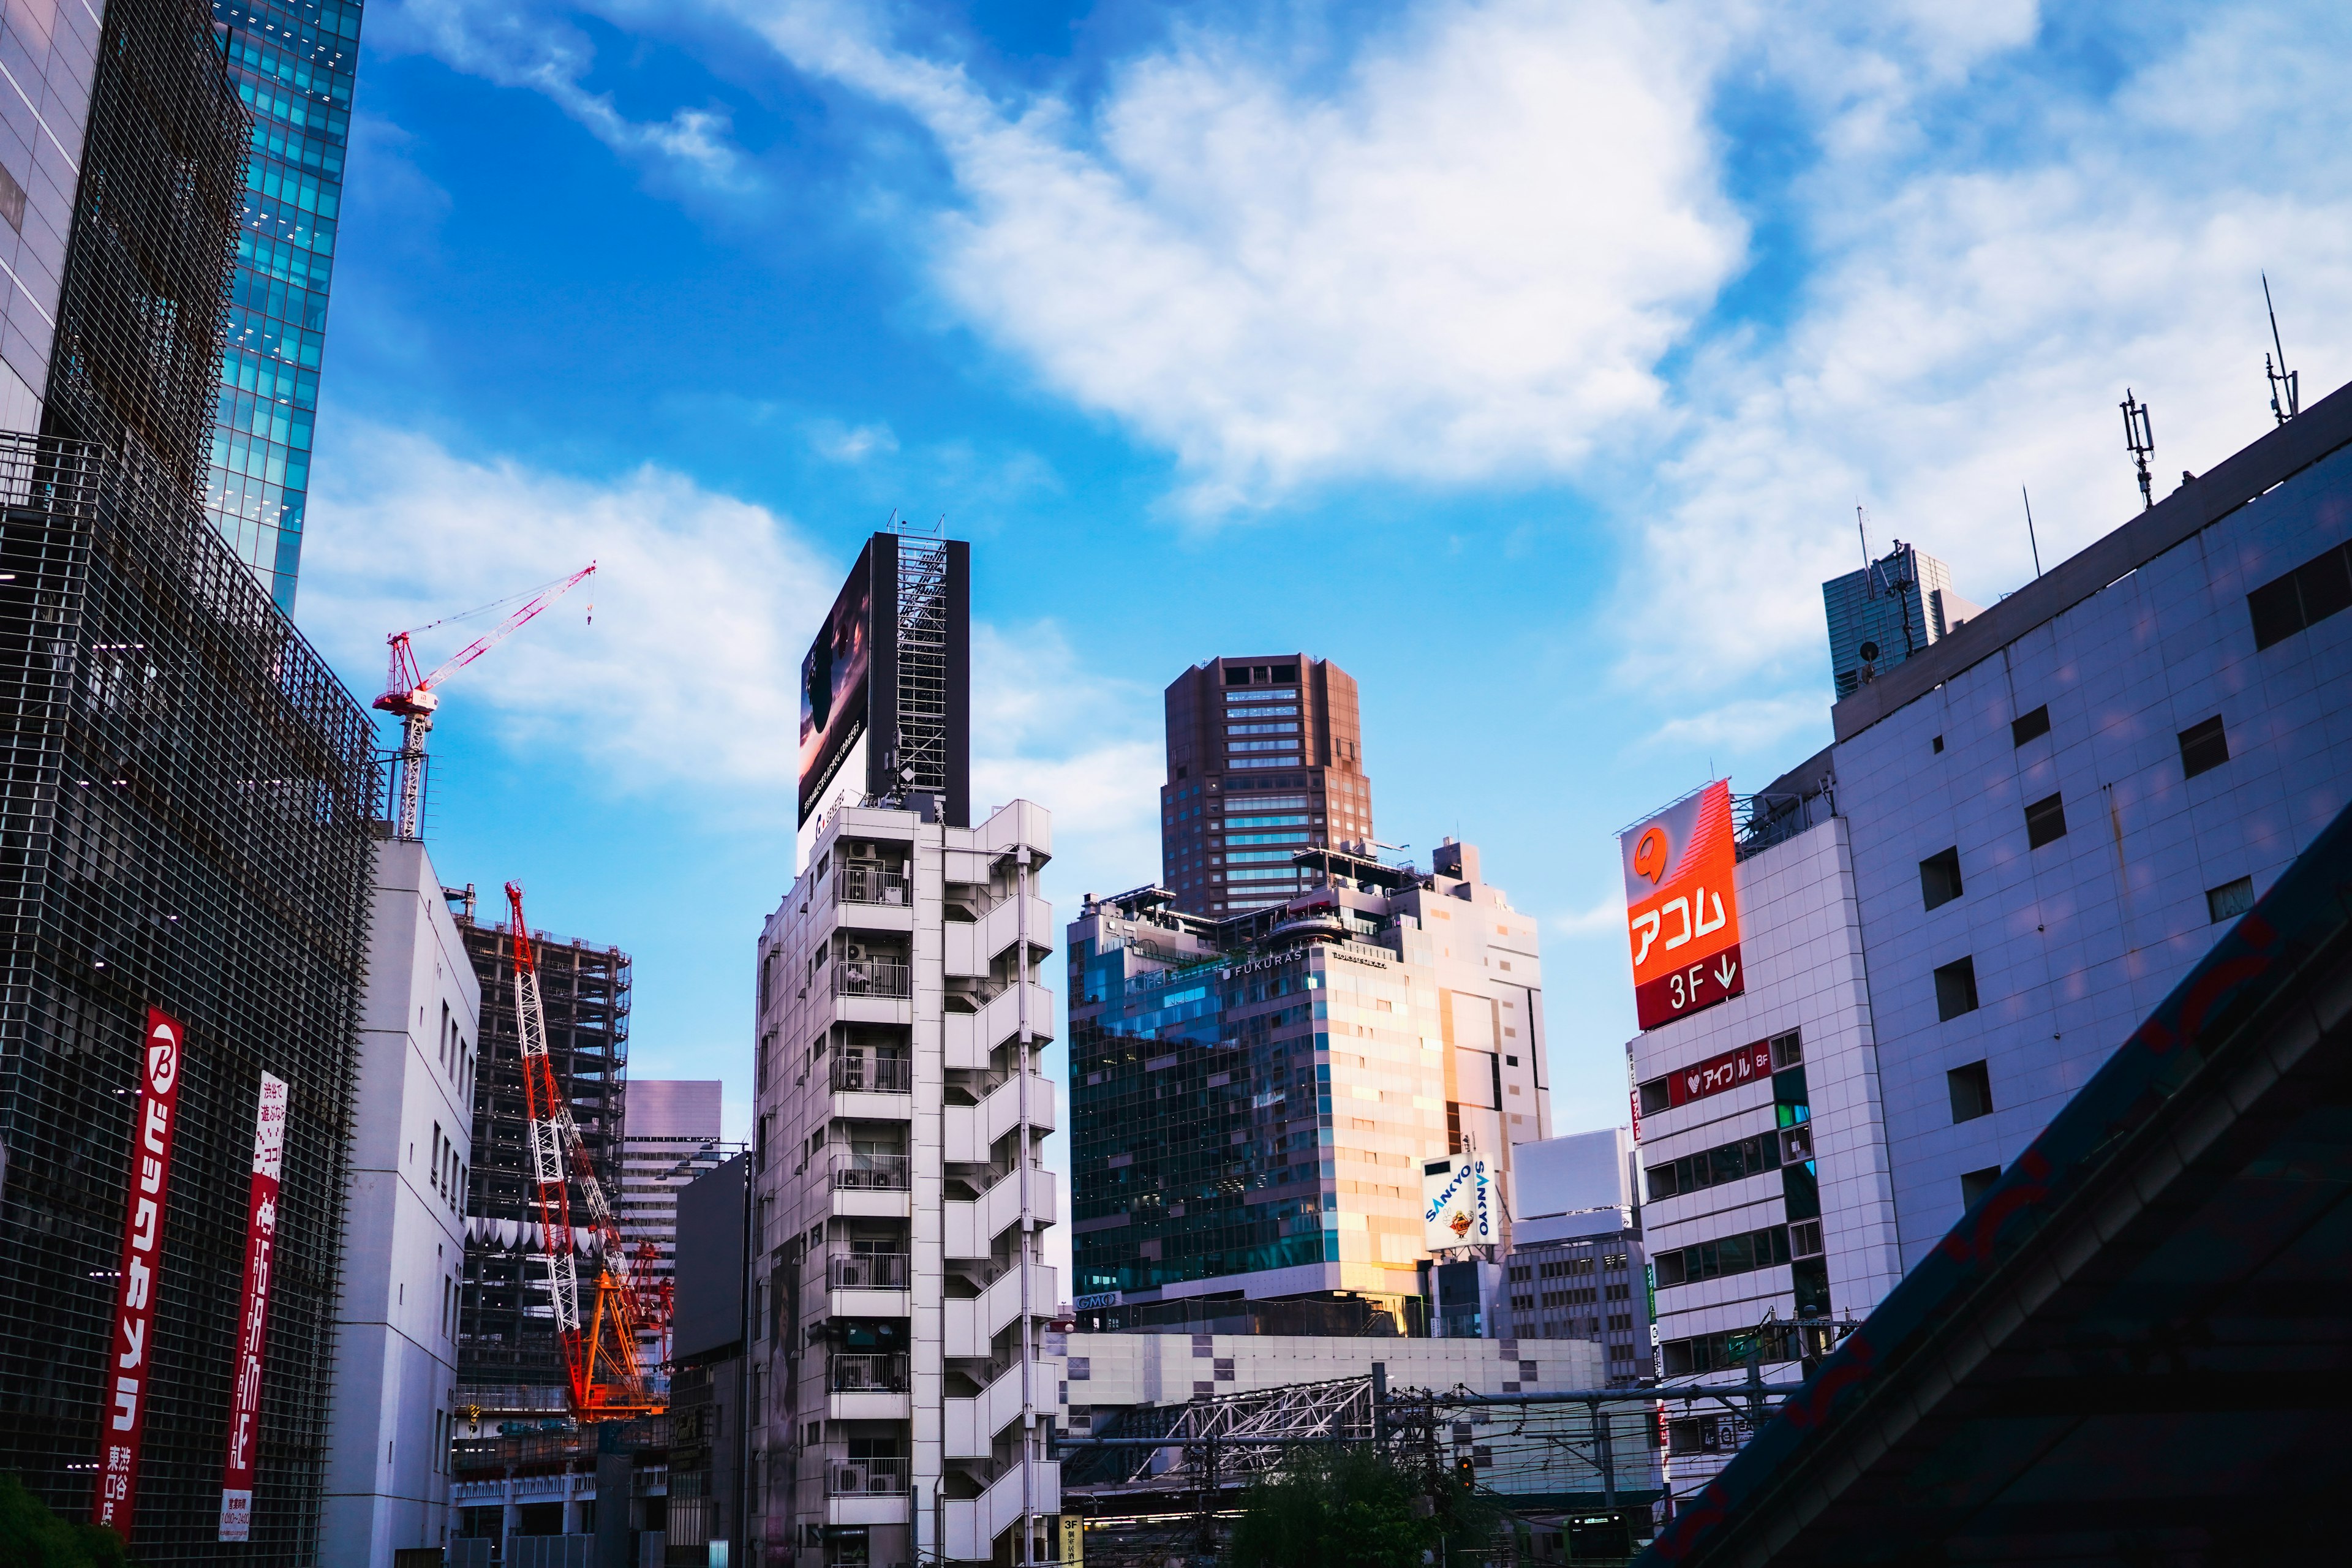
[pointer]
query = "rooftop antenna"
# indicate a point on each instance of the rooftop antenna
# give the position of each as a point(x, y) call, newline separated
point(1869, 578)
point(2029, 531)
point(2282, 379)
point(2139, 436)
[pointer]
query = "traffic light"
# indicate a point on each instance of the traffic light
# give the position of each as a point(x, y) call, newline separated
point(1466, 1473)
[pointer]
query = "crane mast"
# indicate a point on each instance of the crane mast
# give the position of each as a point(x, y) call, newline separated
point(599, 1336)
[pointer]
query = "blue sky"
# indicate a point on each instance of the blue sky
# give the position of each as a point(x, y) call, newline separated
point(1529, 361)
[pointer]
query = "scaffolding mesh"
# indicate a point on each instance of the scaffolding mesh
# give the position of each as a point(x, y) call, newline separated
point(505, 1335)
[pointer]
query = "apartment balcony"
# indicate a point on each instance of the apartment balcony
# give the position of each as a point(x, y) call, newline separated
point(871, 1186)
point(867, 1285)
point(974, 1321)
point(970, 1037)
point(972, 1129)
point(868, 897)
point(972, 1227)
point(872, 1086)
point(862, 1386)
point(865, 1491)
point(970, 1526)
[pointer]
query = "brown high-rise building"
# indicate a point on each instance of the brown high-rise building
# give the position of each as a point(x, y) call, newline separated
point(1265, 759)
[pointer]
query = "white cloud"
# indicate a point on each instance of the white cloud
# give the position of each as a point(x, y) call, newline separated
point(515, 46)
point(1462, 256)
point(842, 443)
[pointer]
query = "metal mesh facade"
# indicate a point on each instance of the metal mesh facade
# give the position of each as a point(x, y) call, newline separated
point(143, 311)
point(501, 1341)
point(184, 823)
point(185, 799)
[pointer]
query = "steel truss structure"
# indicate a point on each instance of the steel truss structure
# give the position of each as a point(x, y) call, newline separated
point(923, 660)
point(1240, 1436)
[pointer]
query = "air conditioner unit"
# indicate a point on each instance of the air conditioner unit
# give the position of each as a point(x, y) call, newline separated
point(856, 951)
point(849, 1479)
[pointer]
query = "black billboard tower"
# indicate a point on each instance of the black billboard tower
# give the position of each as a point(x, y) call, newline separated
point(186, 795)
point(886, 690)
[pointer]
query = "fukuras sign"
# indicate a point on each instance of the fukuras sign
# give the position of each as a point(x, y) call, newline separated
point(253, 1321)
point(154, 1122)
point(1681, 917)
point(1457, 1202)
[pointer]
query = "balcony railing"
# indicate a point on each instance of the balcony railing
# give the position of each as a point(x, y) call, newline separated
point(870, 1173)
point(866, 1478)
point(860, 1071)
point(872, 977)
point(870, 885)
point(858, 1372)
point(866, 1271)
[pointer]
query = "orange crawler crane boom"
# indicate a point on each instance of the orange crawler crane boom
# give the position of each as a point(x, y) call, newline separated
point(600, 1349)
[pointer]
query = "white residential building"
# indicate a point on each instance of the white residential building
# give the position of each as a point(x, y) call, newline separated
point(902, 1384)
point(404, 1228)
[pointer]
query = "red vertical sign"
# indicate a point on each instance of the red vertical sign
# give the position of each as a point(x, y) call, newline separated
point(253, 1320)
point(153, 1122)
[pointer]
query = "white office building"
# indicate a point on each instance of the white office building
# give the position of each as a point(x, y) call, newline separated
point(2025, 835)
point(901, 1375)
point(387, 1485)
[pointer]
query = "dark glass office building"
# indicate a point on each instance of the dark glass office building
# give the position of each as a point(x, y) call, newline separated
point(293, 66)
point(186, 796)
point(1264, 758)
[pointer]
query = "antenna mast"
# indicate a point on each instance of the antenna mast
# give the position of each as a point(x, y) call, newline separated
point(2029, 539)
point(2282, 380)
point(2139, 438)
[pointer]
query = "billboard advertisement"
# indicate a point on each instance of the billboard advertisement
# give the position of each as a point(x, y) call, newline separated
point(154, 1120)
point(253, 1319)
point(1748, 1064)
point(834, 686)
point(1457, 1204)
point(1682, 919)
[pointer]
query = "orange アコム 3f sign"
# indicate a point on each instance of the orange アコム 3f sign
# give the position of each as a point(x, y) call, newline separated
point(1681, 917)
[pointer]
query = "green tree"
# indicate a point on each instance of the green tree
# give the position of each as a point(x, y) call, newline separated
point(1335, 1508)
point(33, 1537)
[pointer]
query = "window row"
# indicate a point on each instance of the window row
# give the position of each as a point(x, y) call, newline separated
point(1740, 1254)
point(1732, 1162)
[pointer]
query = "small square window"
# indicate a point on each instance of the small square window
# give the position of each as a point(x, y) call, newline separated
point(1787, 1050)
point(1939, 743)
point(1656, 1096)
point(2045, 821)
point(1971, 1091)
point(2231, 900)
point(1939, 878)
point(2203, 747)
point(1510, 1061)
point(1956, 989)
point(1975, 1184)
point(2029, 726)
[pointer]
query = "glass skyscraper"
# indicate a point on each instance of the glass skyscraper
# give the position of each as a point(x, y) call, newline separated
point(293, 66)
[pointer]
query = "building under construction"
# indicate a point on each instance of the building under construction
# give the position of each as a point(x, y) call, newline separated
point(509, 1359)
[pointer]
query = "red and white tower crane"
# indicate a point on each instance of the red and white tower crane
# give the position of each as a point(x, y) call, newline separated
point(598, 1333)
point(414, 697)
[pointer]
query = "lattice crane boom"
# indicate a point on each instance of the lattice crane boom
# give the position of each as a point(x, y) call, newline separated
point(599, 1334)
point(414, 697)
